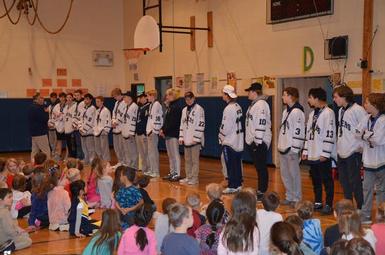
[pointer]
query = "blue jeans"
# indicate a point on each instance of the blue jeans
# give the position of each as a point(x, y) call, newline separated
point(233, 161)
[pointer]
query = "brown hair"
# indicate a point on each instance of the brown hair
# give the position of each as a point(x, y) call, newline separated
point(49, 164)
point(359, 246)
point(40, 186)
point(297, 223)
point(27, 170)
point(339, 247)
point(2, 164)
point(283, 237)
point(378, 101)
point(116, 92)
point(345, 92)
point(349, 222)
point(101, 98)
point(39, 158)
point(293, 92)
point(270, 201)
point(19, 182)
point(166, 203)
point(343, 205)
point(305, 210)
point(239, 231)
point(142, 181)
point(117, 183)
point(107, 233)
point(176, 213)
point(97, 167)
point(78, 91)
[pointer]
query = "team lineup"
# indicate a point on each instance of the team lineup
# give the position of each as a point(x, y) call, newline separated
point(352, 138)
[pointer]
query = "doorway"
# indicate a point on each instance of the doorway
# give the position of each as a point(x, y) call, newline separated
point(162, 84)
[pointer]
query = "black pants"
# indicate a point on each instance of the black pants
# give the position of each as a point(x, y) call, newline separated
point(350, 178)
point(78, 148)
point(233, 161)
point(321, 174)
point(258, 154)
point(23, 211)
point(71, 144)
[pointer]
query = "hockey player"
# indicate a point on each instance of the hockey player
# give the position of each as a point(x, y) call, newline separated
point(102, 127)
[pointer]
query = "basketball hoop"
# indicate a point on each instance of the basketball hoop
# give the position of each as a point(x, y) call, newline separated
point(132, 57)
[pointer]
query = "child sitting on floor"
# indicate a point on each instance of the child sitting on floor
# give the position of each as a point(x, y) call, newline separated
point(58, 202)
point(312, 232)
point(11, 235)
point(194, 201)
point(143, 181)
point(106, 240)
point(214, 192)
point(21, 204)
point(104, 184)
point(38, 216)
point(93, 196)
point(80, 223)
point(162, 223)
point(379, 228)
point(266, 217)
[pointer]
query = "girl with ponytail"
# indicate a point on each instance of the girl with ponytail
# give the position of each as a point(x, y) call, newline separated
point(139, 239)
point(208, 234)
point(284, 239)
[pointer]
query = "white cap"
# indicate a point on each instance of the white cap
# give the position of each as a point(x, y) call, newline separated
point(228, 89)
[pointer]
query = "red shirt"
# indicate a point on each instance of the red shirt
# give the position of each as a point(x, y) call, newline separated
point(196, 223)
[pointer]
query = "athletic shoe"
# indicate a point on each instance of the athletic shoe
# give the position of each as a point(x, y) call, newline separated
point(53, 227)
point(286, 202)
point(64, 227)
point(192, 182)
point(259, 195)
point(317, 206)
point(184, 181)
point(167, 177)
point(154, 175)
point(174, 178)
point(327, 210)
point(230, 191)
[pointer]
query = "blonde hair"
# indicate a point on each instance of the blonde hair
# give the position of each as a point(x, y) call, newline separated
point(153, 93)
point(175, 93)
point(214, 191)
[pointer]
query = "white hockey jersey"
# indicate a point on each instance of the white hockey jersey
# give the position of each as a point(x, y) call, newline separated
point(102, 124)
point(78, 113)
point(231, 131)
point(58, 116)
point(292, 131)
point(320, 135)
point(348, 121)
point(69, 118)
point(129, 120)
point(51, 122)
point(117, 116)
point(372, 132)
point(155, 118)
point(192, 126)
point(86, 126)
point(258, 122)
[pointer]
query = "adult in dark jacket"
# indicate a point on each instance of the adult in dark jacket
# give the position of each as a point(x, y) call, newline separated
point(170, 131)
point(38, 126)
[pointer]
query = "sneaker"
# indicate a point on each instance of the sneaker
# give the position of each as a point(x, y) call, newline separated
point(239, 188)
point(64, 227)
point(192, 182)
point(53, 227)
point(366, 220)
point(154, 175)
point(167, 177)
point(259, 195)
point(229, 191)
point(317, 206)
point(327, 210)
point(174, 178)
point(184, 181)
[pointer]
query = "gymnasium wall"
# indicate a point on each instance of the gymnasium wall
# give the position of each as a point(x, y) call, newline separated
point(93, 25)
point(246, 45)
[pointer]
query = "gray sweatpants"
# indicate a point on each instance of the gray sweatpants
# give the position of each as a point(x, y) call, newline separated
point(291, 176)
point(373, 179)
point(102, 147)
point(141, 143)
point(22, 241)
point(191, 158)
point(153, 153)
point(52, 138)
point(88, 146)
point(172, 146)
point(117, 140)
point(130, 152)
point(40, 143)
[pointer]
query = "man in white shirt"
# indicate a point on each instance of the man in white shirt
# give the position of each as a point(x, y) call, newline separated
point(131, 156)
point(116, 123)
point(78, 112)
point(86, 129)
point(102, 127)
point(231, 138)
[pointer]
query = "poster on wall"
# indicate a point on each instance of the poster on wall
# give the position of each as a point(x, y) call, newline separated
point(269, 82)
point(200, 83)
point(179, 82)
point(187, 82)
point(214, 84)
point(232, 79)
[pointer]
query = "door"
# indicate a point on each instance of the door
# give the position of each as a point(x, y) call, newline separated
point(161, 85)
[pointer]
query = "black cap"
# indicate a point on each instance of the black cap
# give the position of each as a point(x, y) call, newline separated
point(254, 87)
point(128, 93)
point(189, 94)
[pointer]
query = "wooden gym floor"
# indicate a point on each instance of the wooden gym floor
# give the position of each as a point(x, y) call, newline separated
point(49, 242)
